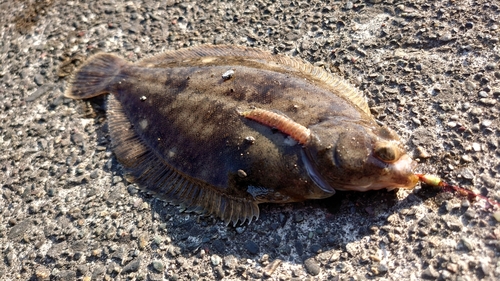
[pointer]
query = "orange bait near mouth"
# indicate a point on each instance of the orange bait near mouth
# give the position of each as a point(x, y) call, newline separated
point(434, 180)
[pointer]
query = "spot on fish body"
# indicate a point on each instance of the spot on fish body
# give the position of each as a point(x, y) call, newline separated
point(143, 124)
point(228, 75)
point(172, 152)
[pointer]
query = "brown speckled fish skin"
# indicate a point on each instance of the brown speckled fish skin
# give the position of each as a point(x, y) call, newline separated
point(176, 127)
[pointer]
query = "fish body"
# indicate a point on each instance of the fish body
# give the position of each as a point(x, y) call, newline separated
point(221, 129)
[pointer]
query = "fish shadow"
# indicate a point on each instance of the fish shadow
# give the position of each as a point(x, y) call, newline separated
point(293, 232)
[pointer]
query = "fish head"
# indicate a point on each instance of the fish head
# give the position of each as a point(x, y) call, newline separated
point(359, 157)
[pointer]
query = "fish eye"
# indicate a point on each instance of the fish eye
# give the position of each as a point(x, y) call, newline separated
point(386, 152)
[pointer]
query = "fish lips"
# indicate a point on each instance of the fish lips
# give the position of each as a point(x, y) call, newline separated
point(384, 175)
point(396, 175)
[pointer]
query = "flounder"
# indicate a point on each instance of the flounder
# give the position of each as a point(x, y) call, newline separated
point(221, 129)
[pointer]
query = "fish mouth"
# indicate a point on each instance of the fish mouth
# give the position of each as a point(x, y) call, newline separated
point(400, 175)
point(396, 175)
point(406, 166)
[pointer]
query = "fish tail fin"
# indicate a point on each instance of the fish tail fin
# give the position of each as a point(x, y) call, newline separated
point(94, 76)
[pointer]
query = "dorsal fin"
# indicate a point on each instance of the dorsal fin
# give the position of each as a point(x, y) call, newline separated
point(156, 176)
point(218, 54)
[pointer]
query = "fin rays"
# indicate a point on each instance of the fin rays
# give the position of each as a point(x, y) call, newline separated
point(155, 176)
point(94, 76)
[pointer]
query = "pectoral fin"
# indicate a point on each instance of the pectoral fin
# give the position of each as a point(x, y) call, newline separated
point(316, 177)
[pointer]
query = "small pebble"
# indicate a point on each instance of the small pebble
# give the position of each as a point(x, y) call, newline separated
point(219, 272)
point(445, 275)
point(230, 262)
point(158, 266)
point(476, 111)
point(96, 252)
point(485, 267)
point(467, 243)
point(465, 203)
point(39, 79)
point(422, 153)
point(42, 273)
point(496, 215)
point(143, 241)
point(476, 147)
point(488, 101)
point(468, 174)
point(251, 247)
point(264, 259)
point(298, 217)
point(250, 139)
point(66, 275)
point(483, 94)
point(430, 273)
point(452, 223)
point(269, 270)
point(312, 267)
point(466, 158)
point(452, 267)
point(380, 79)
point(228, 74)
point(94, 174)
point(132, 266)
point(486, 123)
point(475, 127)
point(382, 269)
point(375, 258)
point(446, 37)
point(216, 260)
point(470, 86)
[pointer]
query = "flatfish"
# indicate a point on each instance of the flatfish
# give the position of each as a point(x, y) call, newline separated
point(221, 129)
